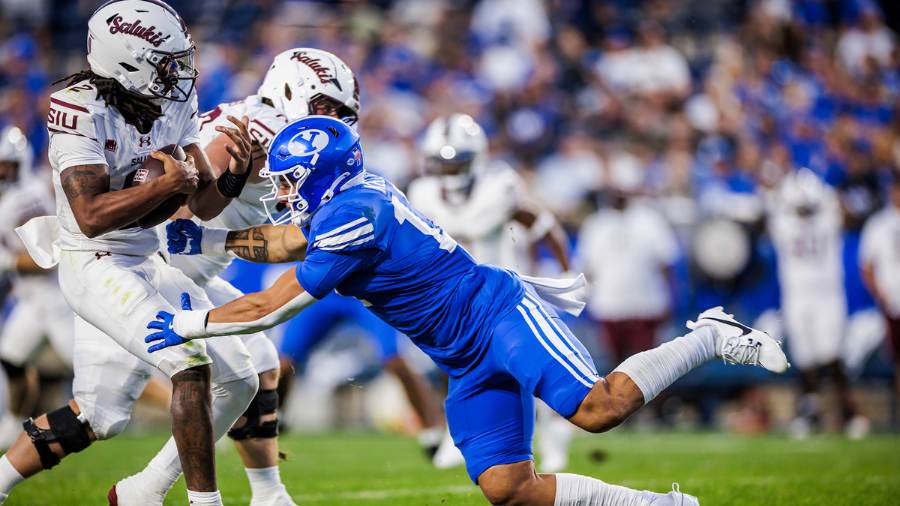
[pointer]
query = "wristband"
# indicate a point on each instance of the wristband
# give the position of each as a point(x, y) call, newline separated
point(212, 242)
point(230, 184)
point(190, 324)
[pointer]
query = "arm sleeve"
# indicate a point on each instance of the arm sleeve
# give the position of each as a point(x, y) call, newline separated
point(323, 271)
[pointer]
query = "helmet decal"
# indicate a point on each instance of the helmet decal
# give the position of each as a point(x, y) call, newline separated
point(134, 28)
point(308, 143)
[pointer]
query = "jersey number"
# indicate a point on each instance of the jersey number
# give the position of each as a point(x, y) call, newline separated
point(403, 213)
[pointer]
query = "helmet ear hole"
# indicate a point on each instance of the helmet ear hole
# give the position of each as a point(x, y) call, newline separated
point(287, 91)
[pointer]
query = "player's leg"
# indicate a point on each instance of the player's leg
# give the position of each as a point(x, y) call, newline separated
point(491, 417)
point(641, 377)
point(22, 336)
point(255, 434)
point(107, 381)
point(802, 324)
point(233, 383)
point(119, 294)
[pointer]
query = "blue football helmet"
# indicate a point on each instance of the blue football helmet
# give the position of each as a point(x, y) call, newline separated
point(309, 162)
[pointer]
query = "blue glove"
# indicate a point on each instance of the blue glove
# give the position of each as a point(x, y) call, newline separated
point(163, 323)
point(184, 237)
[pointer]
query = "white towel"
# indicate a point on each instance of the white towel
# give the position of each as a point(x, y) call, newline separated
point(41, 238)
point(565, 294)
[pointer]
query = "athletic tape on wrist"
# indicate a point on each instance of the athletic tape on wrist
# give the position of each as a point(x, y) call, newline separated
point(212, 242)
point(190, 324)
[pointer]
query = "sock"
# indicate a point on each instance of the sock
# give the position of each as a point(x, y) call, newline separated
point(654, 370)
point(204, 498)
point(264, 481)
point(9, 477)
point(577, 490)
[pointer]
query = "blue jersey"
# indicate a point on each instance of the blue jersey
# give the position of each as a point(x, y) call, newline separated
point(369, 243)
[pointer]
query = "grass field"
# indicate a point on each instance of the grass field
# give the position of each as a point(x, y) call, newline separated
point(364, 469)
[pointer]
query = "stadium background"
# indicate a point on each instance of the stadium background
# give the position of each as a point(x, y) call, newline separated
point(707, 99)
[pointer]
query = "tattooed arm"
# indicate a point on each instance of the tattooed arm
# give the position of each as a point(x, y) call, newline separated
point(269, 244)
point(99, 210)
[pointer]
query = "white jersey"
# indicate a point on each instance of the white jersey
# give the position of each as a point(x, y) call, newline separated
point(18, 204)
point(246, 210)
point(624, 253)
point(809, 251)
point(85, 131)
point(880, 248)
point(483, 220)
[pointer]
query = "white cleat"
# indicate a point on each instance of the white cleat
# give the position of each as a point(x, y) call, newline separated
point(674, 498)
point(280, 498)
point(447, 454)
point(129, 492)
point(737, 343)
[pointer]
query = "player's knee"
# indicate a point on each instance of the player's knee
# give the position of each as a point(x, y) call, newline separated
point(260, 420)
point(601, 414)
point(504, 493)
point(67, 431)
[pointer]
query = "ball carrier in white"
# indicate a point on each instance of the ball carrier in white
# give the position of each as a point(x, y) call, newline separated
point(290, 90)
point(137, 97)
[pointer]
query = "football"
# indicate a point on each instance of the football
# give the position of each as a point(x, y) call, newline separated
point(150, 170)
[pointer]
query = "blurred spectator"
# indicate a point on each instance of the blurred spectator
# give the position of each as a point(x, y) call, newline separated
point(866, 41)
point(879, 259)
point(627, 251)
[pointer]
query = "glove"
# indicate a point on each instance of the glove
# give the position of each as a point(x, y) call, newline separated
point(163, 324)
point(184, 237)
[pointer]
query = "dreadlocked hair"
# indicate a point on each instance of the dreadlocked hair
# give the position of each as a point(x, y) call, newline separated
point(137, 110)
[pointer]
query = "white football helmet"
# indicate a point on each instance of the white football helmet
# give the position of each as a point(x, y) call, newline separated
point(145, 46)
point(304, 81)
point(455, 149)
point(15, 156)
point(803, 192)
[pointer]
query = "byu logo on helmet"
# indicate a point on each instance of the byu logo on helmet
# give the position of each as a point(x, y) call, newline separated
point(310, 161)
point(308, 143)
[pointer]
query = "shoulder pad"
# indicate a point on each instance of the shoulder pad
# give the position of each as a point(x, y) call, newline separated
point(72, 110)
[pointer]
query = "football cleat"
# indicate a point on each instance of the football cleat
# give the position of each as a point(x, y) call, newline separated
point(126, 493)
point(737, 343)
point(674, 498)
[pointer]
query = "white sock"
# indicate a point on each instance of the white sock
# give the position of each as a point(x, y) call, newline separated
point(204, 498)
point(577, 490)
point(9, 477)
point(264, 481)
point(654, 370)
point(229, 401)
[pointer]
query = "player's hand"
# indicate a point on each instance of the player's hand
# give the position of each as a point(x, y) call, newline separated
point(163, 323)
point(184, 237)
point(182, 173)
point(242, 145)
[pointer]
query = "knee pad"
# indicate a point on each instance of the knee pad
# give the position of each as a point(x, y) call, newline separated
point(66, 428)
point(12, 371)
point(264, 403)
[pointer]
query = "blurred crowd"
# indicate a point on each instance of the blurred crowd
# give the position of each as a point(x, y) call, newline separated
point(697, 107)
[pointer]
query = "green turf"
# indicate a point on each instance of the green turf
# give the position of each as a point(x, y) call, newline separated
point(337, 469)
